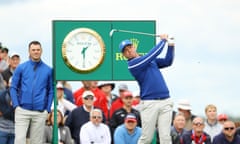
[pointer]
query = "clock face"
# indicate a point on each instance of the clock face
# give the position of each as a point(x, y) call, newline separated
point(83, 50)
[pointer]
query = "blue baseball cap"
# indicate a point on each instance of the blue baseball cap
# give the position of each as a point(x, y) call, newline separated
point(123, 44)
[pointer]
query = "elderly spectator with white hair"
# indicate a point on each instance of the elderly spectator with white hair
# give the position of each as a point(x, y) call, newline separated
point(95, 131)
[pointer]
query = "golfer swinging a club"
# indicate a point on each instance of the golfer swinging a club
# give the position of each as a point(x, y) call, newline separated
point(156, 105)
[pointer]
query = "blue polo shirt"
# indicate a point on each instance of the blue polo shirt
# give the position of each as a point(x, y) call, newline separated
point(121, 135)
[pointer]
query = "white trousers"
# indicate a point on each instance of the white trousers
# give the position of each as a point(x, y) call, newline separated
point(36, 120)
point(156, 113)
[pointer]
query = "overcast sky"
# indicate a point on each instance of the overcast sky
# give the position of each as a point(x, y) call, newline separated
point(207, 63)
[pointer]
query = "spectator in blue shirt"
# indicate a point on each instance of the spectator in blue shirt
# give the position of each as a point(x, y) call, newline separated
point(129, 132)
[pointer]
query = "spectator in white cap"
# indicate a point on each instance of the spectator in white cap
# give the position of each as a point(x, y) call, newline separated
point(63, 103)
point(100, 97)
point(13, 63)
point(184, 107)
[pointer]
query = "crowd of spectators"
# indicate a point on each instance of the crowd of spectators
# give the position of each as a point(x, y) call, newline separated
point(93, 114)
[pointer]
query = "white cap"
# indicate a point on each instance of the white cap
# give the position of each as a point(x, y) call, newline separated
point(14, 54)
point(123, 87)
point(184, 104)
point(59, 85)
point(87, 93)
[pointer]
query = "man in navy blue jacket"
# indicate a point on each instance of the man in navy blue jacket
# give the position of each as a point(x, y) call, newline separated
point(156, 105)
point(32, 94)
point(228, 134)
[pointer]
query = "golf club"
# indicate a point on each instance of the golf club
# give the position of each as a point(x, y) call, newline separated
point(134, 32)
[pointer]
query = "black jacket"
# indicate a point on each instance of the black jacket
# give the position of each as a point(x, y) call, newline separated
point(5, 106)
point(6, 75)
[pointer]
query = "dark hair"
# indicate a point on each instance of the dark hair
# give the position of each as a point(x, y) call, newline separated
point(34, 43)
point(4, 49)
point(49, 122)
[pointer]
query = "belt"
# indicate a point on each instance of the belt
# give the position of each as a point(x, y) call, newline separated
point(159, 98)
point(40, 110)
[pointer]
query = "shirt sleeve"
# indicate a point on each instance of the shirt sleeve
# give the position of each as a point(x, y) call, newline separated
point(84, 139)
point(168, 59)
point(143, 61)
point(108, 135)
point(15, 86)
point(50, 90)
point(68, 105)
point(118, 136)
point(68, 139)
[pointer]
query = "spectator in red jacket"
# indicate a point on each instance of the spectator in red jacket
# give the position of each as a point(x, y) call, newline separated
point(118, 103)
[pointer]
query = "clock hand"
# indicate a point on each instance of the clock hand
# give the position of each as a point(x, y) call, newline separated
point(83, 52)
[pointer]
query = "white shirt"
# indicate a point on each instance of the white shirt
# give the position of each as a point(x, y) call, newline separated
point(213, 130)
point(92, 134)
point(64, 105)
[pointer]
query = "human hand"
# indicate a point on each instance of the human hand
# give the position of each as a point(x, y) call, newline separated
point(15, 108)
point(164, 36)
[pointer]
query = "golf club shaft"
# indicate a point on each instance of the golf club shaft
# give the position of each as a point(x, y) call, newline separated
point(135, 32)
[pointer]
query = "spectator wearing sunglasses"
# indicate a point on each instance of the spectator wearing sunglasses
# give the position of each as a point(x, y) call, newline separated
point(81, 115)
point(228, 134)
point(63, 103)
point(95, 131)
point(196, 135)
